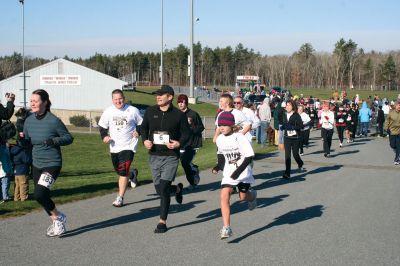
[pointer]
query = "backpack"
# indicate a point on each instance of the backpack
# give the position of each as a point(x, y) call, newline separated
point(7, 130)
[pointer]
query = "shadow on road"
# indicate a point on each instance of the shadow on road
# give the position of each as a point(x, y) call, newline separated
point(83, 189)
point(344, 153)
point(275, 178)
point(141, 215)
point(236, 207)
point(292, 217)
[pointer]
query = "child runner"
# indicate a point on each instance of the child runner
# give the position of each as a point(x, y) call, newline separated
point(341, 117)
point(235, 155)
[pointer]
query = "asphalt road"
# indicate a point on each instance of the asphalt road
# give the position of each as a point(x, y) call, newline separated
point(345, 210)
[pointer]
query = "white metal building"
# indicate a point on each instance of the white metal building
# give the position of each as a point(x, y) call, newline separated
point(70, 86)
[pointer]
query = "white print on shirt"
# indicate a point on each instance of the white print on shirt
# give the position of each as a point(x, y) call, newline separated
point(235, 148)
point(121, 123)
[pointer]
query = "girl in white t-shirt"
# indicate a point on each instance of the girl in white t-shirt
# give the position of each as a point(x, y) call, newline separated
point(235, 156)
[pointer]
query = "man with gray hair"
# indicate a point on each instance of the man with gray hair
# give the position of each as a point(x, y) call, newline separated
point(264, 113)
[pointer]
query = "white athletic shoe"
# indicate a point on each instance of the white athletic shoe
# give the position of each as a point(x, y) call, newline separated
point(225, 232)
point(56, 229)
point(253, 204)
point(133, 178)
point(62, 218)
point(118, 202)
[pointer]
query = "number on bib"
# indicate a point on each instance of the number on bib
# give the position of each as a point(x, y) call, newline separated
point(46, 180)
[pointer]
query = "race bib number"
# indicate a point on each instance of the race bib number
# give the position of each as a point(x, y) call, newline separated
point(312, 115)
point(341, 120)
point(291, 133)
point(349, 118)
point(160, 137)
point(46, 180)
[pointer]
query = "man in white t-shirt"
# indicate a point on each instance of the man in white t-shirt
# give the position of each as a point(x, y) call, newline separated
point(249, 114)
point(118, 128)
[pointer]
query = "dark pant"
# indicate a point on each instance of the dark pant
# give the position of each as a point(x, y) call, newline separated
point(292, 146)
point(42, 193)
point(380, 129)
point(340, 131)
point(394, 141)
point(354, 130)
point(164, 190)
point(304, 139)
point(186, 161)
point(364, 128)
point(327, 136)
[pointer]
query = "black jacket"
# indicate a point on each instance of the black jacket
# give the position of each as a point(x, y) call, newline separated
point(196, 128)
point(294, 123)
point(381, 117)
point(6, 112)
point(172, 121)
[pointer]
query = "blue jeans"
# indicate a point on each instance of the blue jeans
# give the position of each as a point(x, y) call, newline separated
point(5, 187)
point(5, 159)
point(262, 132)
point(364, 128)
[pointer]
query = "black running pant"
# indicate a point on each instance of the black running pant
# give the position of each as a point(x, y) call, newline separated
point(186, 161)
point(340, 131)
point(42, 193)
point(327, 136)
point(292, 146)
point(164, 190)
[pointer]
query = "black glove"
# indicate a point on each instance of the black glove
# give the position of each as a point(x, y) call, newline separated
point(215, 169)
point(49, 142)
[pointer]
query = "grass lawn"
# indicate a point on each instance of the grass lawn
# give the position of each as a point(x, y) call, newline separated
point(87, 172)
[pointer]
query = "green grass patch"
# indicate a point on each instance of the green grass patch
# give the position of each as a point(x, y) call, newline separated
point(87, 172)
point(142, 98)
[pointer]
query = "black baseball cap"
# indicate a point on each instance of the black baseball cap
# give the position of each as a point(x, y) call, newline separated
point(165, 89)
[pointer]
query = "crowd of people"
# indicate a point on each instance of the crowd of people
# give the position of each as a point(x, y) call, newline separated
point(173, 135)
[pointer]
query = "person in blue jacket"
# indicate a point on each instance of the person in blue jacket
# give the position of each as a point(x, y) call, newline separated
point(365, 115)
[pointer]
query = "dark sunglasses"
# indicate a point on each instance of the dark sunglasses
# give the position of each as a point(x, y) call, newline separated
point(237, 102)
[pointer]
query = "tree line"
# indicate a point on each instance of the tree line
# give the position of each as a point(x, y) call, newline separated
point(347, 66)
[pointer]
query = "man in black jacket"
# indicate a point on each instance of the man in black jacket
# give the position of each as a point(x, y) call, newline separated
point(195, 142)
point(164, 131)
point(5, 114)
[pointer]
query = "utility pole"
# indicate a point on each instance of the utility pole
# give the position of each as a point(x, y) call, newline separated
point(23, 50)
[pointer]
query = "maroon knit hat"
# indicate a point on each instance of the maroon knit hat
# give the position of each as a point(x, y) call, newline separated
point(226, 119)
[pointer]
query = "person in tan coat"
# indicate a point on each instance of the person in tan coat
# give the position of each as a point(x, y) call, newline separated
point(392, 126)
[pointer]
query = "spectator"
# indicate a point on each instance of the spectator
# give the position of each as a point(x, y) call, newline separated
point(365, 115)
point(21, 159)
point(392, 126)
point(264, 113)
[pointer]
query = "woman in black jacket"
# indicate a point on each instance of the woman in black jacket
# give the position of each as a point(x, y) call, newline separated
point(292, 125)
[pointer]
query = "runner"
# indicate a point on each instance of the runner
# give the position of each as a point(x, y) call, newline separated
point(305, 131)
point(292, 124)
point(46, 133)
point(195, 142)
point(341, 118)
point(392, 126)
point(235, 155)
point(164, 130)
point(118, 127)
point(349, 124)
point(226, 105)
point(249, 114)
point(327, 121)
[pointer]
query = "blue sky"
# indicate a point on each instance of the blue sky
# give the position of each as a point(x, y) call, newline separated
point(80, 28)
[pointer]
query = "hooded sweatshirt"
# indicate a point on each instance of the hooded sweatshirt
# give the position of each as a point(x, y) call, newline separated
point(364, 113)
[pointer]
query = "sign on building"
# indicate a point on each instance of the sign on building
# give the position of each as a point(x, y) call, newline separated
point(60, 80)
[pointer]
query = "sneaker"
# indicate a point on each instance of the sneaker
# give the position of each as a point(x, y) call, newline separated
point(118, 202)
point(253, 204)
point(301, 169)
point(396, 162)
point(285, 176)
point(191, 187)
point(196, 177)
point(340, 145)
point(56, 229)
point(178, 195)
point(62, 218)
point(225, 232)
point(133, 178)
point(161, 228)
